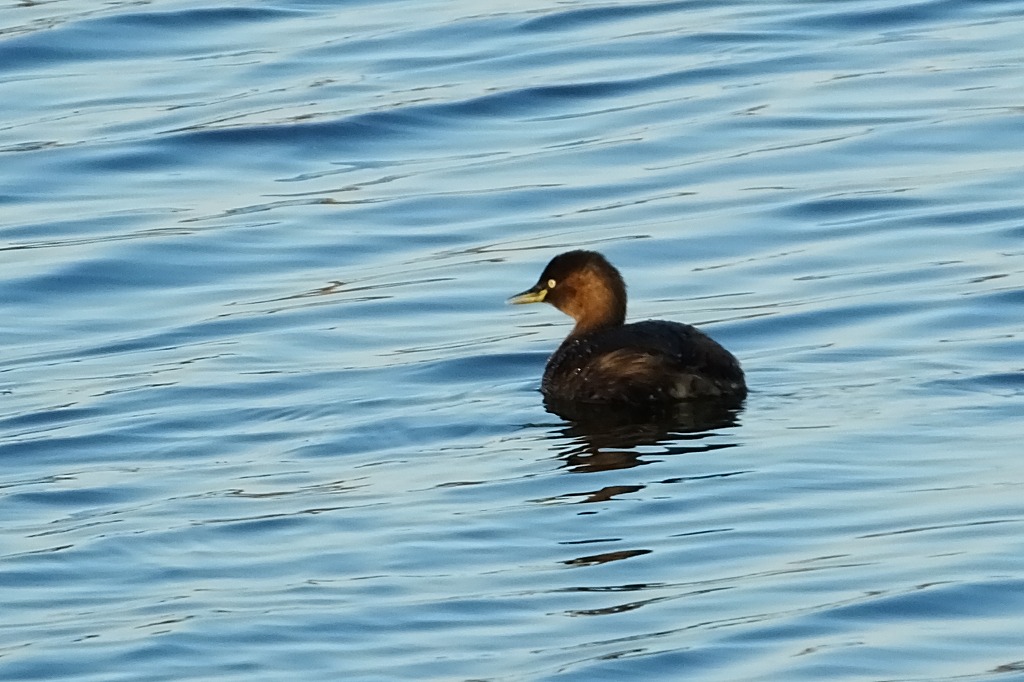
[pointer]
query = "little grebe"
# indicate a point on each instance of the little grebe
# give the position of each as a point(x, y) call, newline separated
point(604, 360)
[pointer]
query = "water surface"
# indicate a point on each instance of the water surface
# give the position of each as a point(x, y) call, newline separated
point(264, 413)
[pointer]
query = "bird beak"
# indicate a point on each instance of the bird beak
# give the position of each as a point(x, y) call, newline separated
point(534, 295)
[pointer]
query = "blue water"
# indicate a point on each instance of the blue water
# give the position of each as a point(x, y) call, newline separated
point(264, 414)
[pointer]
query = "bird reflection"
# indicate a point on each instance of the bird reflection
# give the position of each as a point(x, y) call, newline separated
point(602, 439)
point(606, 439)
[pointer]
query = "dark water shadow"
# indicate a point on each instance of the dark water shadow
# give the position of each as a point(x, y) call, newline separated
point(599, 439)
point(605, 439)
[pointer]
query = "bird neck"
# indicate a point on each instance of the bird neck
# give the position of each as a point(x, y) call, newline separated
point(611, 313)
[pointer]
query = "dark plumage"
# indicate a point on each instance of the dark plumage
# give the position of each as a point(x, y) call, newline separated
point(605, 361)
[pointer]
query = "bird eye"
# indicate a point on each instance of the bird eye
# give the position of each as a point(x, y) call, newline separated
point(551, 284)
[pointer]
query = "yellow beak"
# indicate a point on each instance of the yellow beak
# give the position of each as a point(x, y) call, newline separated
point(534, 295)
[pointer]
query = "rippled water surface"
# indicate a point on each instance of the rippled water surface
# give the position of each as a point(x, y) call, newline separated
point(264, 414)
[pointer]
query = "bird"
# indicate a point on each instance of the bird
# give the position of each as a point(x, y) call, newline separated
point(604, 361)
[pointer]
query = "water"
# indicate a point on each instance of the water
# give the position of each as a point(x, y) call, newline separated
point(265, 415)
